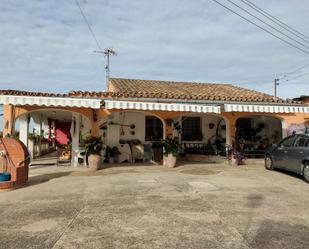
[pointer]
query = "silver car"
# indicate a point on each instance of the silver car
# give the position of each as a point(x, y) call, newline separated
point(291, 154)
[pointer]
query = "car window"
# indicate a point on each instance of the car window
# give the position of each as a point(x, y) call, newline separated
point(288, 142)
point(300, 141)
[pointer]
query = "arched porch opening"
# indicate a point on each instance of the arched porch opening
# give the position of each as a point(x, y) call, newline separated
point(202, 134)
point(258, 132)
point(45, 131)
point(135, 132)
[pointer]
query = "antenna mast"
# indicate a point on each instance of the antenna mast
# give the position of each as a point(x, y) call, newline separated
point(108, 52)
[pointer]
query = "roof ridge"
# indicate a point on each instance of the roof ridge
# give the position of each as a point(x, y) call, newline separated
point(144, 88)
point(171, 81)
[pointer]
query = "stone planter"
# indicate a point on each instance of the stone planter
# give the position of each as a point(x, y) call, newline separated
point(169, 161)
point(94, 161)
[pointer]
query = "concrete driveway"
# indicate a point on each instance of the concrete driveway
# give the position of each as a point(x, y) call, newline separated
point(192, 206)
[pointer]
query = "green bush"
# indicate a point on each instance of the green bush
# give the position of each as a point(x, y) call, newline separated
point(171, 146)
point(93, 145)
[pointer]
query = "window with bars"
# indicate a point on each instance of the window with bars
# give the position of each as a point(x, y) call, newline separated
point(154, 129)
point(191, 129)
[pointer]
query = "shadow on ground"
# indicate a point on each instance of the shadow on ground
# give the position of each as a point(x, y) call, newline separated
point(289, 173)
point(38, 179)
point(276, 234)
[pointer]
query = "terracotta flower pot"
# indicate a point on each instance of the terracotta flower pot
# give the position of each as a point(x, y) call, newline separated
point(169, 161)
point(94, 161)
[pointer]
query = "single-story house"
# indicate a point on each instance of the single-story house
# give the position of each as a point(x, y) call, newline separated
point(205, 116)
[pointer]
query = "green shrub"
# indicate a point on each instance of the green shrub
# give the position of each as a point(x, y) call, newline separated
point(93, 145)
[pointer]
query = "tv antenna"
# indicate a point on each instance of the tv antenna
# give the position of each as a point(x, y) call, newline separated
point(108, 52)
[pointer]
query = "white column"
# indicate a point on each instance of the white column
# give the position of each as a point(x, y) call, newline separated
point(24, 129)
point(37, 126)
point(40, 134)
point(75, 128)
point(284, 129)
point(228, 140)
point(113, 130)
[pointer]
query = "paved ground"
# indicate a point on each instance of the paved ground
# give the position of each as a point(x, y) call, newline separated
point(192, 206)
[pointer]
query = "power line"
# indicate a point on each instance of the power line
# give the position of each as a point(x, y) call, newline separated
point(276, 20)
point(88, 24)
point(269, 25)
point(250, 83)
point(296, 70)
point(264, 29)
point(255, 78)
point(299, 76)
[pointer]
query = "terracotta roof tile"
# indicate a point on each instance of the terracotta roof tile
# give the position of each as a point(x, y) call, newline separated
point(132, 88)
point(26, 93)
point(189, 91)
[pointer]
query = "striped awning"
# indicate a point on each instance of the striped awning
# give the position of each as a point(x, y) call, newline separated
point(50, 101)
point(115, 104)
point(265, 108)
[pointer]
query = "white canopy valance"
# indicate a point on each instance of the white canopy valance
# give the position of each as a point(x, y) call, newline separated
point(114, 104)
point(95, 103)
point(265, 108)
point(50, 101)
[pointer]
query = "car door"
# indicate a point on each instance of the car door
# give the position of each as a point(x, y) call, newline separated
point(280, 154)
point(296, 153)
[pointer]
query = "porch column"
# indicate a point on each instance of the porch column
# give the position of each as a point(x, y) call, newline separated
point(8, 119)
point(75, 128)
point(24, 129)
point(231, 131)
point(284, 126)
point(37, 119)
point(168, 125)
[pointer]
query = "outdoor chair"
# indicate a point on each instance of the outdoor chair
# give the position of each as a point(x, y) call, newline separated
point(125, 153)
point(81, 154)
point(137, 152)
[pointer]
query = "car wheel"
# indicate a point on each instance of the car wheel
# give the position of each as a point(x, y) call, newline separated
point(306, 172)
point(269, 163)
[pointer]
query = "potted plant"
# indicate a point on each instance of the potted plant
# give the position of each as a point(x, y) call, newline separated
point(93, 146)
point(170, 151)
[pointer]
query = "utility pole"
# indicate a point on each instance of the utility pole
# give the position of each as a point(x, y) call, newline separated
point(108, 52)
point(275, 86)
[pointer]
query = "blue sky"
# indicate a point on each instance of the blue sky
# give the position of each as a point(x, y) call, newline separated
point(46, 46)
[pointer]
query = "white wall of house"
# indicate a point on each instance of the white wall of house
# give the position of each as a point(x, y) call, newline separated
point(117, 130)
point(132, 118)
point(118, 127)
point(207, 132)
